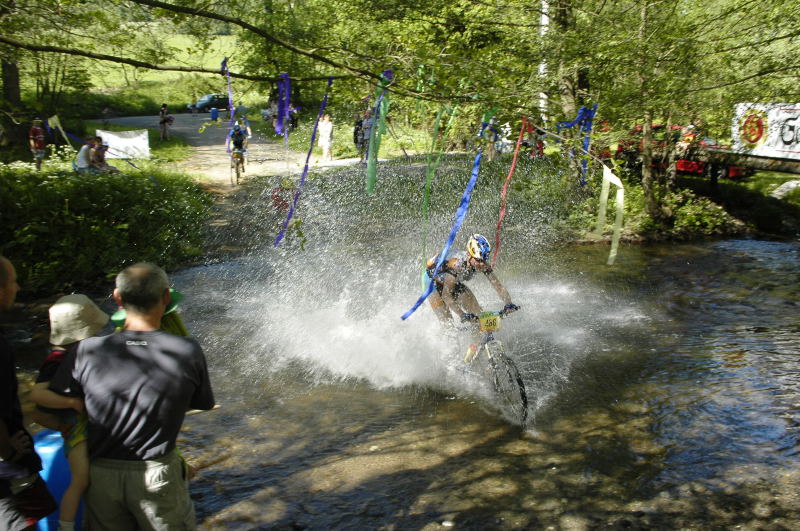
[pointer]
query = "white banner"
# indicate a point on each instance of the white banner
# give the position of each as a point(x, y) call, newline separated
point(126, 144)
point(767, 129)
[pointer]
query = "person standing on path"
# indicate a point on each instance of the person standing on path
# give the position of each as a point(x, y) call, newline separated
point(36, 139)
point(137, 385)
point(165, 119)
point(24, 498)
point(326, 137)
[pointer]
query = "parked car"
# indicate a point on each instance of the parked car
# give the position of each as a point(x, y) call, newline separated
point(207, 102)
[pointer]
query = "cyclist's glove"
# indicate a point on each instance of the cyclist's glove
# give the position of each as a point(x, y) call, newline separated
point(510, 307)
point(469, 317)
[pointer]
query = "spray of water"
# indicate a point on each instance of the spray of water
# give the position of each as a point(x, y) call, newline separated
point(330, 312)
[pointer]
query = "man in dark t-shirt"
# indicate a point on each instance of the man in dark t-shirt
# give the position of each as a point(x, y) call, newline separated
point(137, 385)
point(24, 498)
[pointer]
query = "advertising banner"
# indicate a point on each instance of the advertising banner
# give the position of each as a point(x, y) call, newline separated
point(126, 144)
point(767, 129)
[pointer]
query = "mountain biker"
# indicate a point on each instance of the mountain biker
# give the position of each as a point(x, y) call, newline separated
point(453, 295)
point(238, 141)
point(238, 138)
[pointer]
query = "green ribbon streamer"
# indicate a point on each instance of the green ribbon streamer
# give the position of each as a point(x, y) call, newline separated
point(377, 131)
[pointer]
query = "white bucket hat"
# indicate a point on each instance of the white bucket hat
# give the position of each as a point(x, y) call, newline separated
point(74, 318)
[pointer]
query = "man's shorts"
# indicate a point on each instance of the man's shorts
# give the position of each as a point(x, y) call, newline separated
point(23, 509)
point(38, 154)
point(139, 494)
point(77, 433)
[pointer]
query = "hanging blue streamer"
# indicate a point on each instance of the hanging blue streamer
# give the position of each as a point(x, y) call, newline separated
point(461, 213)
point(305, 168)
point(584, 121)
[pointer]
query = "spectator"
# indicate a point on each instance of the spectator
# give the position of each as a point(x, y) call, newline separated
point(98, 158)
point(24, 498)
point(359, 122)
point(194, 103)
point(84, 163)
point(366, 130)
point(73, 318)
point(37, 142)
point(241, 111)
point(273, 112)
point(326, 137)
point(137, 385)
point(294, 113)
point(214, 114)
point(165, 119)
point(106, 112)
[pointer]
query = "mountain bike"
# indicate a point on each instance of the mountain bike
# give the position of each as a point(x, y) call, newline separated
point(508, 385)
point(237, 165)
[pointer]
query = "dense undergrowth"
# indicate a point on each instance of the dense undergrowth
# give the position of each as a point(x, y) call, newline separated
point(64, 230)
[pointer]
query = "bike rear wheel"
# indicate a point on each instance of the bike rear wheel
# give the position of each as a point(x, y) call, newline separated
point(508, 384)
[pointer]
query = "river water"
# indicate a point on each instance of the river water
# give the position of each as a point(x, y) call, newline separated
point(663, 390)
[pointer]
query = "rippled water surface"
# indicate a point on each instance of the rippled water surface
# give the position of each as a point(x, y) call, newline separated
point(664, 390)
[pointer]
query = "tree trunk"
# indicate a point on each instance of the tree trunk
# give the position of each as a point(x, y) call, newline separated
point(11, 89)
point(647, 167)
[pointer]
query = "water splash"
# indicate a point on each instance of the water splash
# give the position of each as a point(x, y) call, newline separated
point(331, 313)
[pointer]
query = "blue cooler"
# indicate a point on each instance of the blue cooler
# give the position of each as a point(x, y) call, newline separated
point(55, 472)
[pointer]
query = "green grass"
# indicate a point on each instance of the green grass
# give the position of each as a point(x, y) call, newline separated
point(766, 182)
point(110, 76)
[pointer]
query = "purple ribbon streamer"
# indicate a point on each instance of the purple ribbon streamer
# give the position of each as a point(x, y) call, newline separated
point(227, 74)
point(284, 95)
point(305, 168)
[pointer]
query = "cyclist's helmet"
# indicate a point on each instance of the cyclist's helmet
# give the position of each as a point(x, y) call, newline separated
point(478, 247)
point(236, 127)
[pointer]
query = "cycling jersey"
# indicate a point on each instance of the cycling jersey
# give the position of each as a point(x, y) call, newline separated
point(458, 265)
point(238, 138)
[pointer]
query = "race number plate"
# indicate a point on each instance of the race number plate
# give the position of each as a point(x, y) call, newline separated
point(489, 321)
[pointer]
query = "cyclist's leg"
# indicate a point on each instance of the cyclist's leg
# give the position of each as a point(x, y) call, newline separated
point(467, 301)
point(440, 308)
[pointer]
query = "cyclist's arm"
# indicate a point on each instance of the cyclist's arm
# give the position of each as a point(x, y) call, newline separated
point(501, 290)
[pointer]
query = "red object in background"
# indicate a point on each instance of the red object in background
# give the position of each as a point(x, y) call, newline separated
point(690, 166)
point(735, 172)
point(280, 197)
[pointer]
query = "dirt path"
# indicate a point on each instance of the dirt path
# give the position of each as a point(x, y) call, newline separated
point(209, 161)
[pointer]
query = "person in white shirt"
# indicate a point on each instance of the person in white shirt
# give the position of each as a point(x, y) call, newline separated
point(83, 162)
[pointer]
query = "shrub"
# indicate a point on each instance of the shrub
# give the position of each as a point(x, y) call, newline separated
point(64, 229)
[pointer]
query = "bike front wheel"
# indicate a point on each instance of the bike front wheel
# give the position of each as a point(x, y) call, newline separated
point(508, 385)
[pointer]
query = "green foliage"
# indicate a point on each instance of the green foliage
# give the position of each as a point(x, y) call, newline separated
point(688, 216)
point(65, 229)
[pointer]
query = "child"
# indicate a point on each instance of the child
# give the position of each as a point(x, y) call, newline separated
point(73, 318)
